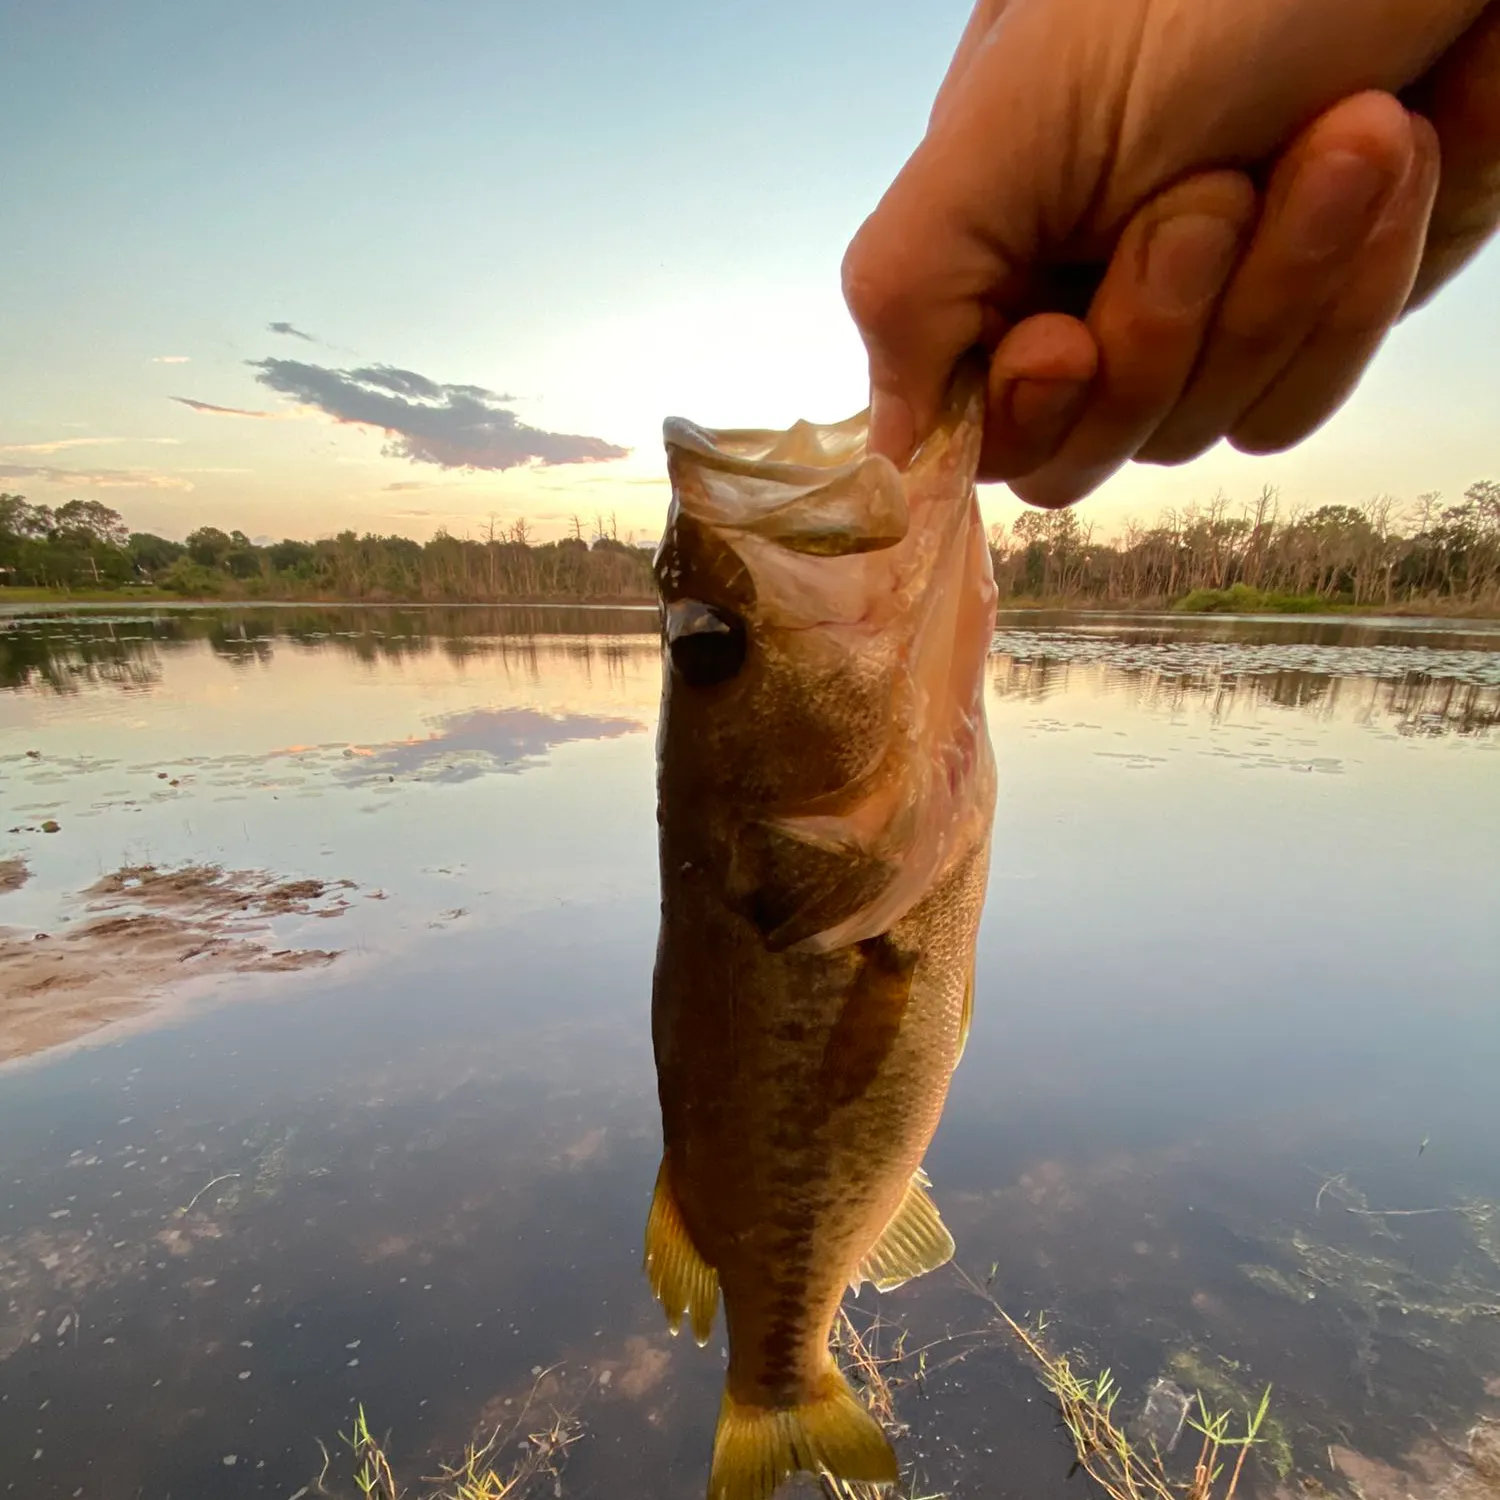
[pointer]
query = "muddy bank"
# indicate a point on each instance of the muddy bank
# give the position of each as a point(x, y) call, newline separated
point(140, 932)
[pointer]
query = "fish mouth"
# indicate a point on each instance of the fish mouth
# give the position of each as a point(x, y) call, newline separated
point(813, 491)
point(809, 523)
point(834, 554)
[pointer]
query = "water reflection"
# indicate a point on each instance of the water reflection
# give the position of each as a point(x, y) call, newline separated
point(1414, 704)
point(64, 654)
point(1228, 1110)
point(465, 745)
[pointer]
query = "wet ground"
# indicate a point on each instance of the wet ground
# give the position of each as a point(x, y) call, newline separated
point(1229, 1111)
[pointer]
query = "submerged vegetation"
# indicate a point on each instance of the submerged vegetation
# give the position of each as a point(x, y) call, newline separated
point(1433, 557)
point(525, 1457)
point(509, 1465)
point(1127, 1467)
point(1127, 1464)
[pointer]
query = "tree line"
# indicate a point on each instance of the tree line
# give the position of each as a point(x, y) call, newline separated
point(1437, 554)
point(84, 545)
point(1203, 556)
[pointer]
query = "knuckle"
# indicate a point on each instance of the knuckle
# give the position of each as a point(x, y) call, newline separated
point(1249, 338)
point(875, 292)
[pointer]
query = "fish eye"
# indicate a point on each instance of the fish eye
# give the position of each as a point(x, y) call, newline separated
point(707, 644)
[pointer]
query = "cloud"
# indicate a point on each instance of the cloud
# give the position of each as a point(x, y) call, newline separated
point(96, 479)
point(402, 486)
point(451, 426)
point(290, 332)
point(57, 445)
point(171, 359)
point(224, 411)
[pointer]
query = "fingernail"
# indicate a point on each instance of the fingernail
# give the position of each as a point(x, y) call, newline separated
point(1054, 491)
point(1039, 408)
point(892, 427)
point(1333, 203)
point(1188, 260)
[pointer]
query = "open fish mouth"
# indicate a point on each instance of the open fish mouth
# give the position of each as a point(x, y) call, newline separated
point(799, 565)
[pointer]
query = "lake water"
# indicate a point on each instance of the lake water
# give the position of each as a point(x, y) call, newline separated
point(1229, 1112)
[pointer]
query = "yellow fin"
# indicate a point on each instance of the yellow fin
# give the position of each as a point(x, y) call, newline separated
point(914, 1242)
point(681, 1279)
point(966, 1017)
point(757, 1447)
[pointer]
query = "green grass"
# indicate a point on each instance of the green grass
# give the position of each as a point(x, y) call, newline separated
point(1241, 599)
point(488, 1471)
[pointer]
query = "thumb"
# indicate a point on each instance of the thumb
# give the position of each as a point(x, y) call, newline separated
point(944, 261)
point(917, 314)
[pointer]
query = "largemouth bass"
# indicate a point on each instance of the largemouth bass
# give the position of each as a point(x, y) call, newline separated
point(826, 790)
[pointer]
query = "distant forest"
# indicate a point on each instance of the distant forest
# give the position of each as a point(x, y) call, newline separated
point(85, 545)
point(1435, 554)
point(1432, 554)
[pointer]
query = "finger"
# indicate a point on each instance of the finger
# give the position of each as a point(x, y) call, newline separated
point(976, 36)
point(916, 314)
point(1462, 99)
point(1329, 365)
point(1039, 380)
point(1325, 197)
point(1149, 319)
point(946, 260)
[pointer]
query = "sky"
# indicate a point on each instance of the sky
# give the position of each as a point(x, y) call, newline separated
point(294, 268)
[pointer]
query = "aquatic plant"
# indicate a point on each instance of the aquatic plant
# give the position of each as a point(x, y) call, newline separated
point(482, 1474)
point(1102, 1447)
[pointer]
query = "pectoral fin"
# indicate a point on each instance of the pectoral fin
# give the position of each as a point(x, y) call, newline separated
point(914, 1242)
point(965, 1017)
point(804, 884)
point(681, 1279)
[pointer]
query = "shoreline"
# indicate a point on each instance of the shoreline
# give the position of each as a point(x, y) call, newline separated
point(57, 601)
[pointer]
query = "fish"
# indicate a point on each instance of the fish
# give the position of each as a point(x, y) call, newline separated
point(826, 790)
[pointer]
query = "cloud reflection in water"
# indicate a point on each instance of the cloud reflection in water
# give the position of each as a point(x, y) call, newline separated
point(481, 741)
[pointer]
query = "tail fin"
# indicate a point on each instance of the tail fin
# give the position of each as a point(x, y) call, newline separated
point(758, 1447)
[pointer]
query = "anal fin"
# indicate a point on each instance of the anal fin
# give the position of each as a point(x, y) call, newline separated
point(684, 1283)
point(757, 1448)
point(914, 1242)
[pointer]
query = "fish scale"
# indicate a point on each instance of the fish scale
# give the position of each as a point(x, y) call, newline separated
point(826, 791)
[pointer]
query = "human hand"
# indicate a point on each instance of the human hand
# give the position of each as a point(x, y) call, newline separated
point(1101, 152)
